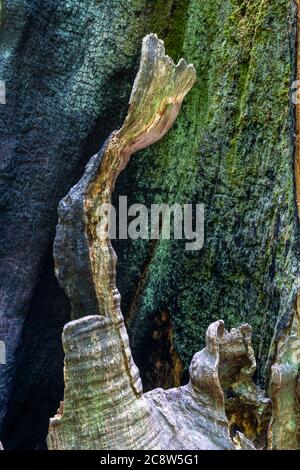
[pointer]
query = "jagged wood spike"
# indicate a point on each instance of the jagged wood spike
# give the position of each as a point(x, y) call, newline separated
point(85, 263)
point(101, 412)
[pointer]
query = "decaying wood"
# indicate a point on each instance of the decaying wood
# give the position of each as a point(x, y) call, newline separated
point(103, 410)
point(104, 406)
point(284, 431)
point(297, 146)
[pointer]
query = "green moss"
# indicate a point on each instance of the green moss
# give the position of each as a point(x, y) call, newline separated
point(231, 149)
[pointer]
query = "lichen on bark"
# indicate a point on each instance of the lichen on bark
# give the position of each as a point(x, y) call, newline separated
point(232, 149)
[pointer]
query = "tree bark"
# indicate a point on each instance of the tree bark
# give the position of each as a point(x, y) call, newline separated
point(68, 70)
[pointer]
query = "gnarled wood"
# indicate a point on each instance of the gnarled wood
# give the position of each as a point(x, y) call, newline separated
point(104, 406)
point(102, 411)
point(85, 262)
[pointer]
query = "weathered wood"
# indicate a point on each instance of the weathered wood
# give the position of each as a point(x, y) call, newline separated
point(104, 406)
point(284, 430)
point(85, 265)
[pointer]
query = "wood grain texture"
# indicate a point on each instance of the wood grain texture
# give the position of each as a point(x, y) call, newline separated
point(104, 405)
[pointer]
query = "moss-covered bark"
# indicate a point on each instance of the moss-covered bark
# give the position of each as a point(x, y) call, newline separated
point(232, 149)
point(69, 68)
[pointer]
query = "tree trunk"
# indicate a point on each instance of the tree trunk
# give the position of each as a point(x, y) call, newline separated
point(68, 69)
